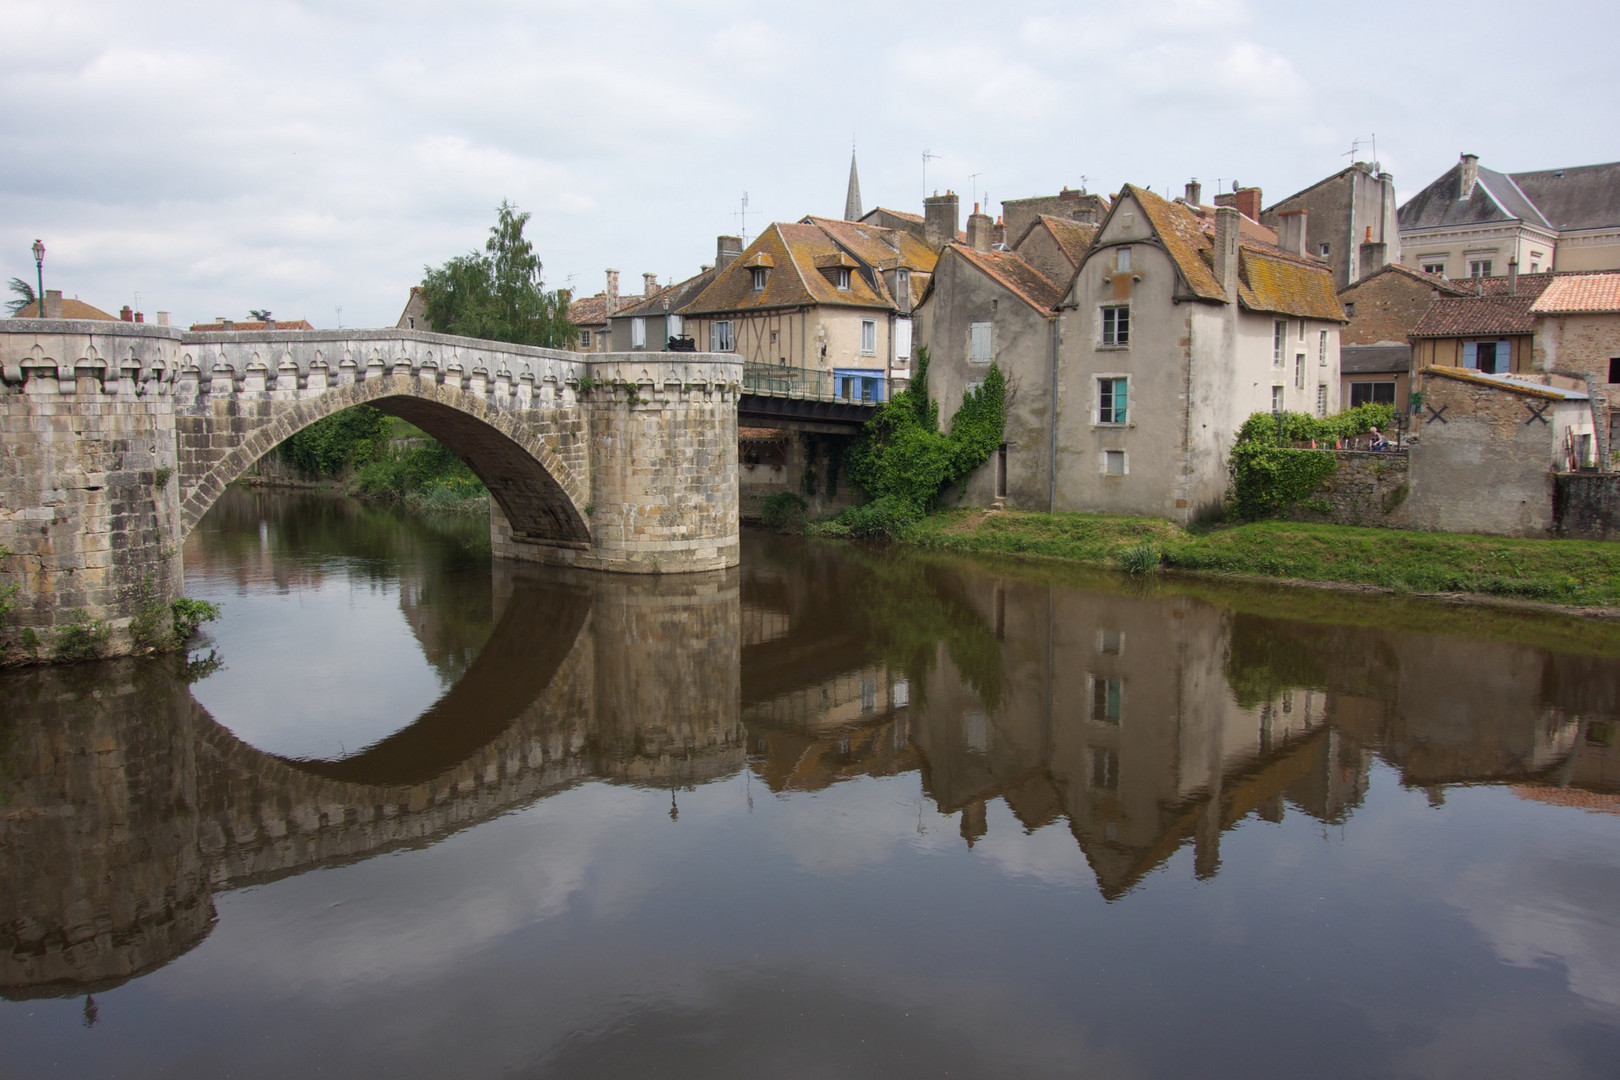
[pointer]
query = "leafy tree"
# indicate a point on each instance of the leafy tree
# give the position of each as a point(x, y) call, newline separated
point(24, 292)
point(496, 294)
point(261, 314)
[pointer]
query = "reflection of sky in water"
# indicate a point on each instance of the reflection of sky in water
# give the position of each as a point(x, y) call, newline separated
point(590, 935)
point(279, 689)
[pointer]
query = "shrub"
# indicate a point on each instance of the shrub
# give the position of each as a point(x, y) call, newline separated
point(82, 638)
point(332, 445)
point(1140, 558)
point(784, 512)
point(1267, 480)
point(188, 615)
point(885, 518)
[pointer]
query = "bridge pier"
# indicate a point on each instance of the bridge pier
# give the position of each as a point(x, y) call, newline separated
point(118, 437)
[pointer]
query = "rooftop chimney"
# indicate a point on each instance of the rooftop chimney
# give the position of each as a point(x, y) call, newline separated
point(269, 323)
point(1513, 276)
point(998, 234)
point(1246, 200)
point(979, 230)
point(139, 317)
point(1291, 231)
point(1225, 256)
point(127, 314)
point(940, 214)
point(226, 324)
point(163, 318)
point(649, 284)
point(1195, 193)
point(612, 292)
point(1468, 175)
point(53, 303)
point(726, 251)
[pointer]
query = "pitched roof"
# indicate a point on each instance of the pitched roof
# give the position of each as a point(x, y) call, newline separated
point(878, 247)
point(593, 310)
point(1583, 197)
point(251, 324)
point(673, 299)
point(794, 282)
point(1513, 384)
point(1435, 281)
point(1374, 359)
point(1577, 293)
point(1073, 238)
point(1269, 278)
point(1014, 273)
point(72, 308)
point(1470, 316)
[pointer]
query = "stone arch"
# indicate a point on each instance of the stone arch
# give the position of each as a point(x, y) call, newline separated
point(540, 495)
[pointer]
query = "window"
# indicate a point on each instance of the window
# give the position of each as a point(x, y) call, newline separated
point(1302, 329)
point(1110, 642)
point(1122, 260)
point(858, 384)
point(720, 337)
point(1299, 371)
point(1279, 335)
point(1113, 463)
point(1105, 694)
point(1324, 249)
point(1276, 399)
point(1350, 309)
point(979, 339)
point(676, 325)
point(1116, 326)
point(868, 337)
point(1111, 400)
point(1487, 357)
point(584, 339)
point(1614, 369)
point(902, 342)
point(412, 320)
point(638, 333)
point(1104, 770)
point(841, 277)
point(1321, 348)
point(1535, 268)
point(1438, 269)
point(1321, 399)
point(1372, 393)
point(760, 274)
point(1479, 268)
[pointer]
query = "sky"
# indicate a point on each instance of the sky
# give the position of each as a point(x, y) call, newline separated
point(314, 158)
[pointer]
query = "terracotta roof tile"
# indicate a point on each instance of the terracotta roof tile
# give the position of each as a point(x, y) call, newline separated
point(794, 282)
point(1073, 238)
point(1016, 274)
point(1272, 281)
point(251, 324)
point(675, 298)
point(1445, 285)
point(1468, 316)
point(1580, 293)
point(876, 246)
point(71, 309)
point(590, 311)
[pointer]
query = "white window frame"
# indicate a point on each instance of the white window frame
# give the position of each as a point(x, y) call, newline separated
point(1324, 249)
point(1279, 337)
point(1279, 400)
point(841, 279)
point(1321, 399)
point(868, 337)
point(981, 343)
point(674, 324)
point(1103, 460)
point(1122, 260)
point(758, 278)
point(1321, 348)
point(1118, 335)
point(1480, 268)
point(638, 332)
point(722, 336)
point(1438, 269)
point(1097, 400)
point(585, 339)
point(902, 343)
point(1299, 371)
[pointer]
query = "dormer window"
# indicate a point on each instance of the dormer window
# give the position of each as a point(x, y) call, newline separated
point(760, 274)
point(841, 279)
point(903, 282)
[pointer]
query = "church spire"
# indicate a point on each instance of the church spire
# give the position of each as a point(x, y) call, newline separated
point(852, 201)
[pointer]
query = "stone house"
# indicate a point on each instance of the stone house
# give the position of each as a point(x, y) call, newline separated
point(1352, 221)
point(657, 318)
point(829, 298)
point(1473, 221)
point(1490, 331)
point(591, 313)
point(1055, 245)
point(414, 315)
point(1578, 334)
point(1181, 322)
point(986, 305)
point(1489, 446)
point(1385, 305)
point(1069, 204)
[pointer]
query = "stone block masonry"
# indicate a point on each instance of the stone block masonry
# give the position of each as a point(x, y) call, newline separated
point(118, 437)
point(1369, 487)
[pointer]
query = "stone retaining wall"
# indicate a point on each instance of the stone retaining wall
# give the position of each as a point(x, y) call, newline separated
point(1369, 487)
point(1587, 505)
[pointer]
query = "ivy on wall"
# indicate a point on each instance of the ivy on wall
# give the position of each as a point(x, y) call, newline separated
point(1276, 462)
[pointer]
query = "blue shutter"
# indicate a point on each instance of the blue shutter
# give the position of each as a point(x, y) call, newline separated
point(1470, 355)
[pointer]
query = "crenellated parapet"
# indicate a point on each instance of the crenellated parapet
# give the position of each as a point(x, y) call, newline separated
point(122, 435)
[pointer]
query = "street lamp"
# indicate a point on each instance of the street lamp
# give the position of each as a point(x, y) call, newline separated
point(39, 266)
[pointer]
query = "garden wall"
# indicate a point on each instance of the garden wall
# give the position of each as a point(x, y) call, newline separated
point(1369, 487)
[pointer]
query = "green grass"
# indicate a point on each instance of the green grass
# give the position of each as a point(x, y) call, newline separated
point(1574, 572)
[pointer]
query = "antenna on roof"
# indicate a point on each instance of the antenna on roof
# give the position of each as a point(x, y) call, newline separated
point(927, 156)
point(742, 220)
point(339, 310)
point(1084, 180)
point(973, 179)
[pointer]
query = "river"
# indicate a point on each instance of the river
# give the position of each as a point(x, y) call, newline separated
point(403, 812)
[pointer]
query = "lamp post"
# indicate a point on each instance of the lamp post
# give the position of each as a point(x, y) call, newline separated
point(39, 266)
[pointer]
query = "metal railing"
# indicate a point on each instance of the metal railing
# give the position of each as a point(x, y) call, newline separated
point(773, 380)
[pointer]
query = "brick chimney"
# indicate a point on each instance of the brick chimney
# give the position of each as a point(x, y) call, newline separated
point(940, 214)
point(1194, 195)
point(998, 234)
point(1467, 175)
point(612, 291)
point(139, 317)
point(1513, 276)
point(1246, 200)
point(1291, 231)
point(53, 303)
point(727, 250)
point(649, 284)
point(979, 229)
point(1224, 258)
point(126, 313)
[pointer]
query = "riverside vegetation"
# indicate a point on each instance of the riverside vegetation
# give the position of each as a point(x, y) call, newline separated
point(376, 456)
point(904, 463)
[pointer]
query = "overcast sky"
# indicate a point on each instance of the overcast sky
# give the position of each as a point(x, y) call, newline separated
point(209, 158)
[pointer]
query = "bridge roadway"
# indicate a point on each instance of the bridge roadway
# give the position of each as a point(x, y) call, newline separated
point(120, 436)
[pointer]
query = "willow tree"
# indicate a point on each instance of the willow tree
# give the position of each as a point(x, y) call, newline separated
point(497, 294)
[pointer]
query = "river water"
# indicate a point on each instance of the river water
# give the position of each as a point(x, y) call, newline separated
point(840, 812)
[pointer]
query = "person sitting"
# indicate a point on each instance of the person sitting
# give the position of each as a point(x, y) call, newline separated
point(1378, 441)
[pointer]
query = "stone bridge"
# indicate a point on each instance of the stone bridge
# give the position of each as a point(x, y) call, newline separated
point(118, 437)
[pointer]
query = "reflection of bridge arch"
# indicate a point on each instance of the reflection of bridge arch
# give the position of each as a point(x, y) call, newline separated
point(538, 491)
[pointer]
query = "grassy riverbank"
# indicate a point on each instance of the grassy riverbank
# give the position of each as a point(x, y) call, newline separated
point(1571, 572)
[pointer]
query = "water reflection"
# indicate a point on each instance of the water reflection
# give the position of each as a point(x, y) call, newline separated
point(1103, 730)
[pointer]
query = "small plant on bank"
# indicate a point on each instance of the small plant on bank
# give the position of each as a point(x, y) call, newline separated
point(158, 626)
point(81, 638)
point(188, 614)
point(161, 476)
point(784, 512)
point(1140, 558)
